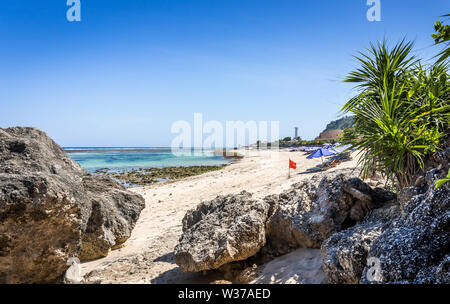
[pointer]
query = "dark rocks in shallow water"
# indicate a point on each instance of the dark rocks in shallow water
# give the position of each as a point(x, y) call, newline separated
point(142, 177)
point(226, 229)
point(50, 210)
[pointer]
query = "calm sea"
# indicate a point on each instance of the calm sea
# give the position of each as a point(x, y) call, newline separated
point(126, 158)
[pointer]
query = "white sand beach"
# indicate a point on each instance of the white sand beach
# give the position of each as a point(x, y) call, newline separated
point(147, 256)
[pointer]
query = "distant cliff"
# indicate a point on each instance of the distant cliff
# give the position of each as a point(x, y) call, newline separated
point(340, 124)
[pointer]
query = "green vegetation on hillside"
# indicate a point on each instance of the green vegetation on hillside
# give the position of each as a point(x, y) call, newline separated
point(342, 124)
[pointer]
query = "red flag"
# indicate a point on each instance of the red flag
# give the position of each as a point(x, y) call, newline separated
point(292, 164)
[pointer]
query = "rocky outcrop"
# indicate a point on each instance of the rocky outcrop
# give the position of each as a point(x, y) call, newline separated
point(416, 247)
point(51, 210)
point(113, 213)
point(330, 134)
point(236, 227)
point(365, 235)
point(226, 229)
point(406, 242)
point(308, 214)
point(344, 254)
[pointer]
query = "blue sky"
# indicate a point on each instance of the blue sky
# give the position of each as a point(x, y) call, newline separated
point(129, 69)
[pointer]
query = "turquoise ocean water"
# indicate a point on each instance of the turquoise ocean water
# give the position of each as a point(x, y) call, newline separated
point(134, 158)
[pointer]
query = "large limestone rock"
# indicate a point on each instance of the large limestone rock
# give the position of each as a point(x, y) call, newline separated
point(344, 254)
point(226, 229)
point(404, 242)
point(113, 213)
point(312, 211)
point(416, 247)
point(235, 227)
point(51, 210)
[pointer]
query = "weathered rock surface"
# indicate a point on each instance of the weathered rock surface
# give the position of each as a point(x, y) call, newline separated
point(235, 228)
point(51, 210)
point(113, 213)
point(344, 254)
point(407, 242)
point(308, 214)
point(416, 247)
point(366, 235)
point(226, 229)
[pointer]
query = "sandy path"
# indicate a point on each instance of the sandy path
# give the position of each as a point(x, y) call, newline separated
point(147, 256)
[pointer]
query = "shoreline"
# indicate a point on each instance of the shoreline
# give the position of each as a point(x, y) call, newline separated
point(147, 256)
point(139, 177)
point(131, 178)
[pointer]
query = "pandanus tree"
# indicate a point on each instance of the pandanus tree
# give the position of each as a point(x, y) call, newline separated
point(442, 36)
point(401, 111)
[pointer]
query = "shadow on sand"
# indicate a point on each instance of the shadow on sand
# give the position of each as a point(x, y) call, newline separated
point(177, 276)
point(168, 258)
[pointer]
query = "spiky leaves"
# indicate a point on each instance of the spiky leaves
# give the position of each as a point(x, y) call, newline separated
point(400, 112)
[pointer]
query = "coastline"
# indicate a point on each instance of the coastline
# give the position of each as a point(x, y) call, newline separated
point(143, 177)
point(147, 256)
point(139, 176)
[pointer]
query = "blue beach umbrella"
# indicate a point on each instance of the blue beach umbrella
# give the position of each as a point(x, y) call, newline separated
point(342, 148)
point(322, 152)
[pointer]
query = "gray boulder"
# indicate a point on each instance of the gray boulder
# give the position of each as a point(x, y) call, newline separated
point(344, 254)
point(235, 227)
point(415, 248)
point(403, 242)
point(51, 210)
point(312, 211)
point(226, 229)
point(113, 213)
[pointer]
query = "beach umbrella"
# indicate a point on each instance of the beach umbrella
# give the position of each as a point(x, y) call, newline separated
point(342, 148)
point(322, 152)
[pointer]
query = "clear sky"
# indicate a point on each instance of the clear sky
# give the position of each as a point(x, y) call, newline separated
point(129, 69)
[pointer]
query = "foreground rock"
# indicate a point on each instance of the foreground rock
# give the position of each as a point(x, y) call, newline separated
point(50, 210)
point(345, 253)
point(234, 228)
point(312, 211)
point(416, 247)
point(113, 213)
point(407, 242)
point(226, 229)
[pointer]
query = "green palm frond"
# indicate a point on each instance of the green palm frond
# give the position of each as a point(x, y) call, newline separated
point(442, 181)
point(400, 112)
